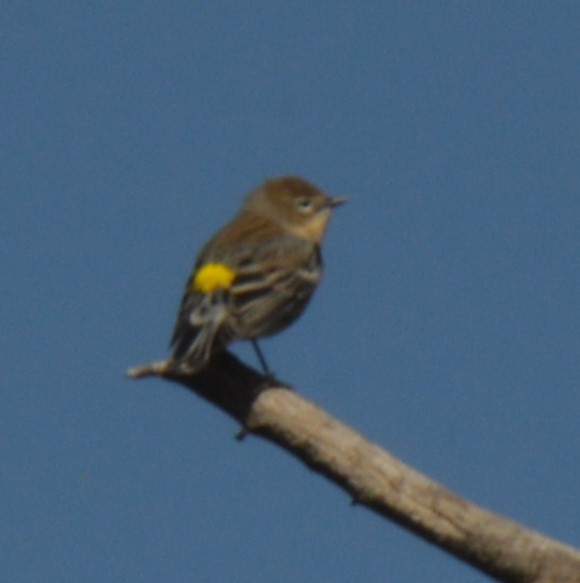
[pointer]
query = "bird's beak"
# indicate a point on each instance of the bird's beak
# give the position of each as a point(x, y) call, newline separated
point(334, 201)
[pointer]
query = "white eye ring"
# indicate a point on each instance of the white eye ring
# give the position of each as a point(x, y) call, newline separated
point(304, 205)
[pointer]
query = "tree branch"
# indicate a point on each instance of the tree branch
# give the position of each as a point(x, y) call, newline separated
point(268, 408)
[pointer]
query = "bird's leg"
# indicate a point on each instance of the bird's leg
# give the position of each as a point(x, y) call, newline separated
point(261, 358)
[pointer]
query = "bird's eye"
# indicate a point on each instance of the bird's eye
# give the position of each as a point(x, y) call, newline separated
point(304, 205)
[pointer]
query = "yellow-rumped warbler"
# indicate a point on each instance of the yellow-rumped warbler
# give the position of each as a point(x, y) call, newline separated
point(256, 275)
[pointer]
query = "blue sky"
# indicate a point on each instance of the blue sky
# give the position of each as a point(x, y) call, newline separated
point(446, 329)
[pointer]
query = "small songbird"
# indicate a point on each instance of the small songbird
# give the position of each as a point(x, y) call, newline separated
point(256, 275)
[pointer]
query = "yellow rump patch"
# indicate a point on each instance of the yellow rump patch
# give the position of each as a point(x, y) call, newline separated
point(211, 277)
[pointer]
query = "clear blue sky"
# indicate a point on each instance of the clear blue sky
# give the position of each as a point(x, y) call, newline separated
point(446, 329)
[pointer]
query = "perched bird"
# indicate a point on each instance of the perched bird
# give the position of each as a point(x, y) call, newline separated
point(256, 275)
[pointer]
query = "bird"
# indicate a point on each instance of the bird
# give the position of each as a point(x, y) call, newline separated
point(256, 275)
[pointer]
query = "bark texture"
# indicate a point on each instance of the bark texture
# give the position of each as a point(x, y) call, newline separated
point(269, 408)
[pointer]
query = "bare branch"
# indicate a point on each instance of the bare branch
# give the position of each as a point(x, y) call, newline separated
point(499, 547)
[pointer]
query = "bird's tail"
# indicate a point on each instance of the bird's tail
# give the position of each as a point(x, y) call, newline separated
point(198, 335)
